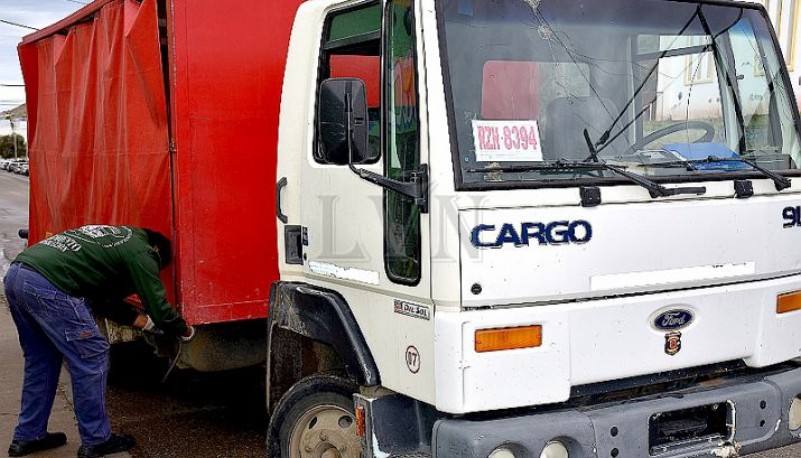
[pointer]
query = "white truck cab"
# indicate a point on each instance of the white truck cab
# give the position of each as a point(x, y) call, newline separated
point(551, 228)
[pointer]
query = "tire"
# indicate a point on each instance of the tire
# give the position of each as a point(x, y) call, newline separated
point(315, 419)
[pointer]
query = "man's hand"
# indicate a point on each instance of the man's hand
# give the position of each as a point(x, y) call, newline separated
point(189, 334)
point(144, 323)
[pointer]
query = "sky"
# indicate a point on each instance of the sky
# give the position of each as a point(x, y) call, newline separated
point(34, 13)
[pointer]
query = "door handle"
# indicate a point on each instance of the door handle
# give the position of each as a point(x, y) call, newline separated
point(281, 183)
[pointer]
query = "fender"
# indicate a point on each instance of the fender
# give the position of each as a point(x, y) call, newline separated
point(323, 315)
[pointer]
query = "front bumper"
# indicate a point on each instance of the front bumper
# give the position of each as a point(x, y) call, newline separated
point(759, 421)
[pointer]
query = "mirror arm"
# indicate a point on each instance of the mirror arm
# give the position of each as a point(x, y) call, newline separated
point(416, 187)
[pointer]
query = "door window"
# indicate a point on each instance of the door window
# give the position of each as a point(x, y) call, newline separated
point(401, 214)
point(352, 49)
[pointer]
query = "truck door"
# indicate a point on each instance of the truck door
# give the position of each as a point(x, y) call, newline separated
point(358, 238)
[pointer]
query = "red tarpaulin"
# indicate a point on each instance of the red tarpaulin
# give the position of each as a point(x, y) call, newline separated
point(99, 137)
point(98, 125)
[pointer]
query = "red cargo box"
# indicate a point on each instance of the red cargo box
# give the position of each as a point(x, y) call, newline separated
point(164, 114)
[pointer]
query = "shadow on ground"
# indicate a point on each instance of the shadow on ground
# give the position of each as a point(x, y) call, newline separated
point(193, 414)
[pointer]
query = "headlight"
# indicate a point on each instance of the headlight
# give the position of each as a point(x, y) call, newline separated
point(501, 452)
point(554, 449)
point(795, 414)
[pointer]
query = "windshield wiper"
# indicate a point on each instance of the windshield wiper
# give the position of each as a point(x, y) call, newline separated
point(726, 70)
point(604, 139)
point(607, 138)
point(780, 181)
point(654, 189)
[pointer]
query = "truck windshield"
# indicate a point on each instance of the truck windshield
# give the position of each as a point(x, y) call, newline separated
point(643, 85)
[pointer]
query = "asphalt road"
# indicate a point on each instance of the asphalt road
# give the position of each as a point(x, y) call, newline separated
point(13, 215)
point(191, 415)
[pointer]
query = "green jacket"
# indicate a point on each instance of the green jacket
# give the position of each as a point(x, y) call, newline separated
point(105, 264)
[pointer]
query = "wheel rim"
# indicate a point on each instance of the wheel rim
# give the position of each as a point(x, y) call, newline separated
point(325, 431)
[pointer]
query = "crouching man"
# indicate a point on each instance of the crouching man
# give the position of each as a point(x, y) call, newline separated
point(51, 289)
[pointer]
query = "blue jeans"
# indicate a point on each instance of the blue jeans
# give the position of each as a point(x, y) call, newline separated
point(55, 327)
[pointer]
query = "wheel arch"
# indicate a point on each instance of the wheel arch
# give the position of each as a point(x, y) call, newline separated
point(313, 330)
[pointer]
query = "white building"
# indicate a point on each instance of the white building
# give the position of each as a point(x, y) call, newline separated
point(786, 15)
point(687, 86)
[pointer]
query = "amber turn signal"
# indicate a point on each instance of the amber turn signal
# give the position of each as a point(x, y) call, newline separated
point(789, 302)
point(508, 338)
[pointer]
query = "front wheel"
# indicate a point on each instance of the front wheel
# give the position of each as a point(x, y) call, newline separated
point(315, 419)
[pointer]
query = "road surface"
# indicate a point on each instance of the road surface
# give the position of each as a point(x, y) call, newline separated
point(13, 216)
point(191, 415)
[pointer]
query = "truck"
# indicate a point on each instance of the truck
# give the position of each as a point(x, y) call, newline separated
point(451, 228)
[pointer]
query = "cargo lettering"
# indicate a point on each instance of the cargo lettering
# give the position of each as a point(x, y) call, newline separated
point(553, 233)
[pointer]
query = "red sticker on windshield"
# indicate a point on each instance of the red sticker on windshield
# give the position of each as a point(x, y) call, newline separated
point(506, 141)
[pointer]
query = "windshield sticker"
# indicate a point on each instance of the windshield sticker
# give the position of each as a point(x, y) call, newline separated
point(507, 141)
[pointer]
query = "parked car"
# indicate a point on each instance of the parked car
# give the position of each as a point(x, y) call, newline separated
point(8, 164)
point(17, 166)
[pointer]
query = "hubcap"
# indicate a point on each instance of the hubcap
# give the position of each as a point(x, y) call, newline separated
point(325, 431)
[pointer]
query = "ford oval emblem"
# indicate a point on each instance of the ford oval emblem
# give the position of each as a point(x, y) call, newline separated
point(674, 319)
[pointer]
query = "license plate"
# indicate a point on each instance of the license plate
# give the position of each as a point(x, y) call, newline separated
point(675, 429)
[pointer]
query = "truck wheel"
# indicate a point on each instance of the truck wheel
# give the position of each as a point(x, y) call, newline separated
point(315, 419)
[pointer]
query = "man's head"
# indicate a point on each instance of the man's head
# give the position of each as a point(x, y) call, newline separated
point(161, 245)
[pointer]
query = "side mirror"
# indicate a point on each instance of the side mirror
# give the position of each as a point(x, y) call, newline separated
point(340, 98)
point(342, 137)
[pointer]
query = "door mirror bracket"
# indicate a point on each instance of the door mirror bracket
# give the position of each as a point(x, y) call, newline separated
point(416, 187)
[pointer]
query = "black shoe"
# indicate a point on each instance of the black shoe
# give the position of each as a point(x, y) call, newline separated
point(114, 444)
point(51, 440)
